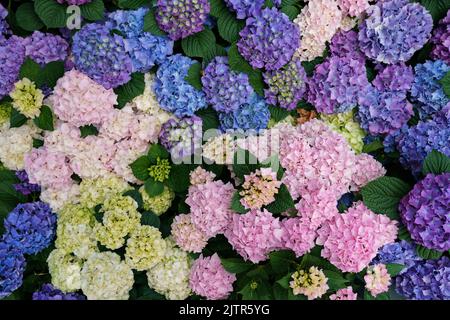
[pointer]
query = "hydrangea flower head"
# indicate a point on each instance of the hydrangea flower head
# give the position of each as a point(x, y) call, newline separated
point(181, 18)
point(45, 47)
point(186, 235)
point(377, 279)
point(12, 267)
point(396, 77)
point(344, 294)
point(259, 188)
point(158, 204)
point(424, 211)
point(201, 176)
point(269, 40)
point(27, 98)
point(49, 292)
point(441, 40)
point(311, 283)
point(160, 171)
point(394, 30)
point(299, 235)
point(345, 43)
point(354, 7)
point(12, 55)
point(245, 8)
point(96, 191)
point(24, 186)
point(65, 270)
point(401, 252)
point(4, 27)
point(254, 115)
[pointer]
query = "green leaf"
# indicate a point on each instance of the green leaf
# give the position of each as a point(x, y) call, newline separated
point(437, 8)
point(150, 219)
point(436, 163)
point(27, 19)
point(209, 117)
point(427, 254)
point(37, 143)
point(288, 2)
point(88, 130)
point(151, 25)
point(278, 114)
point(45, 119)
point(50, 73)
point(216, 51)
point(283, 201)
point(179, 180)
point(281, 260)
point(373, 146)
point(336, 280)
point(194, 76)
point(229, 27)
point(236, 265)
point(52, 14)
point(384, 194)
point(284, 282)
point(394, 269)
point(136, 195)
point(31, 70)
point(17, 119)
point(93, 11)
point(130, 4)
point(291, 11)
point(381, 296)
point(153, 188)
point(140, 168)
point(403, 234)
point(130, 90)
point(445, 82)
point(256, 81)
point(244, 163)
point(279, 292)
point(199, 44)
point(157, 151)
point(309, 66)
point(237, 62)
point(218, 7)
point(236, 204)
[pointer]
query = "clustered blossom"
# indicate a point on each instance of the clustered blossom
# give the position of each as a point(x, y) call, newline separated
point(345, 43)
point(426, 88)
point(186, 235)
point(160, 171)
point(351, 240)
point(396, 77)
point(259, 188)
point(24, 186)
point(402, 252)
point(225, 89)
point(65, 270)
point(158, 204)
point(425, 280)
point(27, 98)
point(344, 294)
point(201, 176)
point(377, 279)
point(394, 30)
point(254, 234)
point(353, 7)
point(101, 55)
point(182, 18)
point(45, 47)
point(4, 27)
point(12, 55)
point(311, 283)
point(424, 211)
point(299, 235)
point(269, 40)
point(95, 191)
point(208, 278)
point(49, 292)
point(173, 92)
point(286, 85)
point(441, 40)
point(219, 149)
point(12, 267)
point(245, 8)
point(30, 227)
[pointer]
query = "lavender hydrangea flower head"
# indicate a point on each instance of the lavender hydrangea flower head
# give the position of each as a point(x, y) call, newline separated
point(12, 55)
point(25, 187)
point(383, 112)
point(245, 8)
point(286, 85)
point(224, 88)
point(173, 92)
point(394, 30)
point(396, 77)
point(49, 292)
point(30, 227)
point(426, 280)
point(181, 18)
point(12, 267)
point(426, 89)
point(129, 22)
point(337, 84)
point(254, 115)
point(4, 27)
point(425, 212)
point(182, 137)
point(269, 40)
point(45, 47)
point(346, 43)
point(101, 55)
point(74, 2)
point(402, 252)
point(441, 40)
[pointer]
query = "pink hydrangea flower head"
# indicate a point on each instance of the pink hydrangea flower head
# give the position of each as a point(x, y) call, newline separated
point(298, 235)
point(201, 176)
point(254, 234)
point(259, 188)
point(209, 279)
point(186, 235)
point(377, 279)
point(366, 170)
point(344, 294)
point(317, 206)
point(354, 7)
point(351, 240)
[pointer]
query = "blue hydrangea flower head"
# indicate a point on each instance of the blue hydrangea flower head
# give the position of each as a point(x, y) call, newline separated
point(12, 55)
point(12, 267)
point(245, 8)
point(402, 252)
point(49, 292)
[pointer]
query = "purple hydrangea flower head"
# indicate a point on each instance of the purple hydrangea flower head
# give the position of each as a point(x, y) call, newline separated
point(129, 22)
point(254, 115)
point(402, 252)
point(4, 27)
point(269, 40)
point(45, 47)
point(336, 84)
point(396, 77)
point(173, 92)
point(30, 227)
point(12, 55)
point(346, 43)
point(245, 8)
point(383, 112)
point(427, 90)
point(12, 267)
point(182, 137)
point(394, 30)
point(425, 212)
point(224, 88)
point(392, 139)
point(441, 40)
point(49, 292)
point(181, 18)
point(101, 55)
point(74, 2)
point(426, 280)
point(287, 85)
point(25, 187)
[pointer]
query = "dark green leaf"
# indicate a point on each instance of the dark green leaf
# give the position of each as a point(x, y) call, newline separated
point(130, 4)
point(403, 234)
point(373, 146)
point(427, 254)
point(236, 204)
point(179, 180)
point(199, 44)
point(336, 280)
point(194, 76)
point(27, 19)
point(437, 8)
point(45, 119)
point(130, 90)
point(436, 163)
point(150, 219)
point(278, 114)
point(140, 168)
point(218, 7)
point(151, 25)
point(237, 62)
point(136, 195)
point(157, 151)
point(289, 2)
point(244, 163)
point(394, 269)
point(17, 119)
point(30, 70)
point(88, 130)
point(284, 282)
point(256, 80)
point(445, 82)
point(283, 201)
point(282, 260)
point(52, 14)
point(51, 72)
point(215, 51)
point(153, 188)
point(93, 10)
point(229, 27)
point(209, 117)
point(291, 11)
point(236, 265)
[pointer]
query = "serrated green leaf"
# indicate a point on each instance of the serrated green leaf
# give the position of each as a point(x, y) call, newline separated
point(88, 130)
point(136, 195)
point(384, 194)
point(51, 72)
point(218, 7)
point(289, 2)
point(283, 201)
point(151, 25)
point(51, 13)
point(278, 114)
point(436, 163)
point(179, 180)
point(335, 280)
point(209, 117)
point(394, 269)
point(403, 234)
point(130, 90)
point(244, 163)
point(284, 282)
point(236, 265)
point(291, 11)
point(150, 219)
point(199, 44)
point(27, 19)
point(256, 81)
point(45, 119)
point(157, 151)
point(153, 188)
point(17, 119)
point(216, 51)
point(437, 8)
point(140, 168)
point(30, 70)
point(130, 4)
point(236, 204)
point(194, 76)
point(281, 261)
point(237, 62)
point(229, 27)
point(445, 82)
point(93, 11)
point(373, 146)
point(427, 254)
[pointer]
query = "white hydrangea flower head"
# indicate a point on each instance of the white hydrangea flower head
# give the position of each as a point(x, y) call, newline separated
point(65, 270)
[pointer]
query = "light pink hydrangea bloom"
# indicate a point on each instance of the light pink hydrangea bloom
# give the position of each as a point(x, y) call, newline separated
point(344, 294)
point(209, 279)
point(298, 235)
point(259, 188)
point(377, 279)
point(210, 206)
point(186, 235)
point(353, 7)
point(201, 176)
point(254, 234)
point(351, 240)
point(366, 170)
